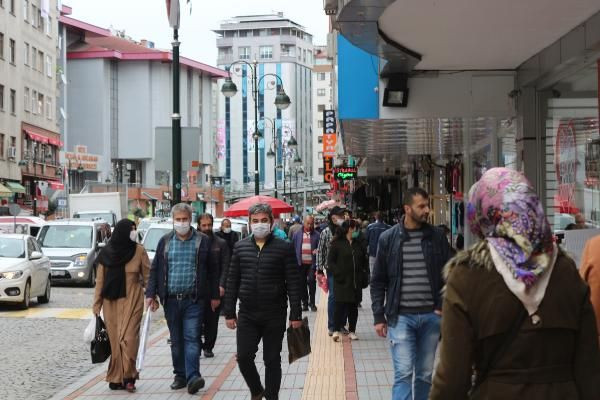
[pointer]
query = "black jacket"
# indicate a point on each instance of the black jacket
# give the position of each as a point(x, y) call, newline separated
point(263, 280)
point(220, 257)
point(386, 278)
point(231, 238)
point(349, 266)
point(207, 279)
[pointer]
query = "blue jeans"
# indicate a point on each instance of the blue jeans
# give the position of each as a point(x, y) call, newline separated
point(184, 319)
point(413, 339)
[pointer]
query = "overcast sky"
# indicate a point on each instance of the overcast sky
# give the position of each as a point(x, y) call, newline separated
point(147, 19)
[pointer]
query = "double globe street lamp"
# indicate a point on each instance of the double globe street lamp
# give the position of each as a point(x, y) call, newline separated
point(282, 101)
point(273, 151)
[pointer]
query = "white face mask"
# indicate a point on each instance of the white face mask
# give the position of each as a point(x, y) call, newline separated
point(182, 228)
point(261, 230)
point(339, 222)
point(133, 236)
point(227, 230)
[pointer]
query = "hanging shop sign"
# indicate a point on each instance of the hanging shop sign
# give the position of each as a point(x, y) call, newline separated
point(345, 173)
point(80, 157)
point(565, 162)
point(328, 169)
point(329, 143)
point(329, 122)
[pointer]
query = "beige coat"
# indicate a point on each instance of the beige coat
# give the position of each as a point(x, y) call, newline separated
point(123, 317)
point(590, 272)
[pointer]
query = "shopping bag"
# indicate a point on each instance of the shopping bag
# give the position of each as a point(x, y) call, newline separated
point(144, 339)
point(90, 331)
point(322, 281)
point(100, 346)
point(298, 341)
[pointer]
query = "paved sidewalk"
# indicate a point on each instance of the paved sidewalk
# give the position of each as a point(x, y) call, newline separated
point(348, 370)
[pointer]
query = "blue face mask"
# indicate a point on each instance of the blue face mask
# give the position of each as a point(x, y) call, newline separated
point(355, 234)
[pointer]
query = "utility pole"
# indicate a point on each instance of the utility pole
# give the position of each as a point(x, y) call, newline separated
point(176, 118)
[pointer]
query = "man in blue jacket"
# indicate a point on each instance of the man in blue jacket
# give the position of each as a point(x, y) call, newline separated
point(306, 244)
point(183, 279)
point(374, 231)
point(406, 296)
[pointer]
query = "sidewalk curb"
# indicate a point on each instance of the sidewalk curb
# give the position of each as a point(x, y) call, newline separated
point(98, 373)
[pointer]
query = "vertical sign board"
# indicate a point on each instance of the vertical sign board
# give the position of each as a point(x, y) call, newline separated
point(329, 142)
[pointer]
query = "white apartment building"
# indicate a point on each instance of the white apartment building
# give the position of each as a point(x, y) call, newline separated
point(323, 99)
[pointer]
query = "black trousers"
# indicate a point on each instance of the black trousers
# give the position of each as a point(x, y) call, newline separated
point(340, 312)
point(251, 329)
point(307, 273)
point(210, 326)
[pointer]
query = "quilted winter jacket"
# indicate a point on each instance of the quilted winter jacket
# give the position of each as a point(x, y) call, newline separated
point(263, 280)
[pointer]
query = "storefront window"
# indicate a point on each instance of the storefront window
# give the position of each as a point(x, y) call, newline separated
point(573, 152)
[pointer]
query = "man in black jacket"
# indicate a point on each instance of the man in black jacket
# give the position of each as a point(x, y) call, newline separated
point(227, 234)
point(263, 275)
point(219, 258)
point(407, 275)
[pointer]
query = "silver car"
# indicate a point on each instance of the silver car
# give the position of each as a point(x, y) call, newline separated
point(153, 235)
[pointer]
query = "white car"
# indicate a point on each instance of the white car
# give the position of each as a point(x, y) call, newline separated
point(153, 235)
point(24, 271)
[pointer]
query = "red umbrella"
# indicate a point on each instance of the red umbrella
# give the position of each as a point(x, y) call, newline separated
point(240, 209)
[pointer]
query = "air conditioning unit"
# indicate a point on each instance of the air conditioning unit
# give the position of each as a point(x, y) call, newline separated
point(12, 153)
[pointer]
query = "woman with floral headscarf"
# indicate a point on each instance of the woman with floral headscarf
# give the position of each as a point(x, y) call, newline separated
point(515, 279)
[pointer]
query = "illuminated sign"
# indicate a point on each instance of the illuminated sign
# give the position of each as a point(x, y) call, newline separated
point(327, 169)
point(345, 173)
point(329, 122)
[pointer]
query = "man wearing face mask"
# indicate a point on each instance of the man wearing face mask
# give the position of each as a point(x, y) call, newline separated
point(184, 279)
point(227, 234)
point(337, 216)
point(263, 275)
point(407, 277)
point(219, 260)
point(306, 242)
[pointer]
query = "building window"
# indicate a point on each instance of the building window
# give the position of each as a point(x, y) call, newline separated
point(244, 53)
point(34, 58)
point(40, 105)
point(225, 52)
point(40, 61)
point(321, 171)
point(2, 45)
point(2, 145)
point(309, 57)
point(288, 50)
point(320, 138)
point(266, 52)
point(321, 107)
point(12, 47)
point(12, 6)
point(243, 33)
point(40, 20)
point(304, 55)
point(13, 101)
point(321, 76)
point(49, 66)
point(26, 10)
point(321, 92)
point(34, 102)
point(275, 31)
point(49, 108)
point(1, 97)
point(320, 124)
point(26, 53)
point(26, 99)
point(320, 155)
point(33, 15)
point(299, 54)
point(48, 27)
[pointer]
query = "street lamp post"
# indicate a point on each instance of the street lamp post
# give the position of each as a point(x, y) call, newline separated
point(176, 122)
point(282, 101)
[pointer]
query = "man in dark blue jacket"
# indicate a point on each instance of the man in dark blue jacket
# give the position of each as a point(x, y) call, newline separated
point(306, 244)
point(183, 279)
point(407, 277)
point(374, 231)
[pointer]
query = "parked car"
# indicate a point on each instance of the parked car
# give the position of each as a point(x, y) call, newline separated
point(24, 224)
point(154, 233)
point(24, 271)
point(144, 224)
point(72, 246)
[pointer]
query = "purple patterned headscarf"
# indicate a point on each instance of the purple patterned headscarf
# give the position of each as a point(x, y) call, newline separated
point(504, 210)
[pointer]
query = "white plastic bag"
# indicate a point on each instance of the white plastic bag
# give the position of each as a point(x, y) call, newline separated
point(90, 331)
point(144, 333)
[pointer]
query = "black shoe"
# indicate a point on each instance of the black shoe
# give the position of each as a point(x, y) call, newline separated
point(178, 383)
point(116, 386)
point(344, 331)
point(195, 385)
point(359, 305)
point(208, 354)
point(313, 308)
point(258, 396)
point(304, 308)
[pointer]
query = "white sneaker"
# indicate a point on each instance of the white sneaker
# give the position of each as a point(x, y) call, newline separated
point(353, 336)
point(336, 336)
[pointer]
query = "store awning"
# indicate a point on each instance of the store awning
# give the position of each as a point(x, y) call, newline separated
point(149, 196)
point(4, 191)
point(43, 139)
point(15, 187)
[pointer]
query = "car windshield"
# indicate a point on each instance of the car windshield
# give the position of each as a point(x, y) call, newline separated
point(108, 217)
point(153, 236)
point(11, 248)
point(143, 225)
point(66, 236)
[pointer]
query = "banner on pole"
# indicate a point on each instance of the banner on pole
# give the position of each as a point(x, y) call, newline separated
point(173, 13)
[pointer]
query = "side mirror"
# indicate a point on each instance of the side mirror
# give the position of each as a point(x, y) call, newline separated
point(35, 255)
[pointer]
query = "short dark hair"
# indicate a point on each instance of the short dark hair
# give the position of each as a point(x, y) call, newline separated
point(411, 193)
point(205, 216)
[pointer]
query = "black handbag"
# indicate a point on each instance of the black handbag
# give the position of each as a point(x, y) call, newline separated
point(100, 346)
point(298, 341)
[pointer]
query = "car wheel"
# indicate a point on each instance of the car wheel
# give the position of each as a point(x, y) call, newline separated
point(46, 297)
point(92, 278)
point(24, 305)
